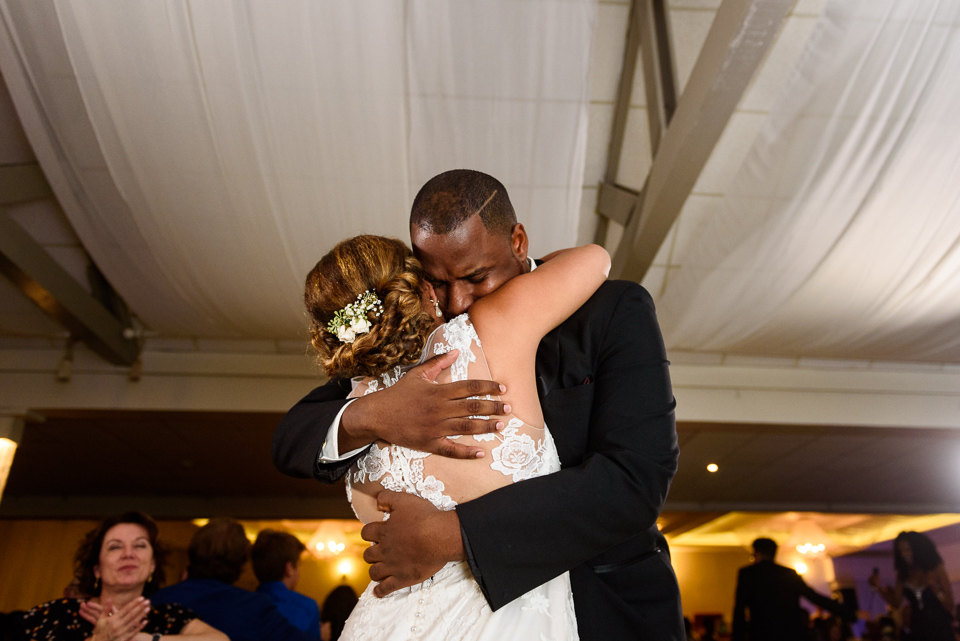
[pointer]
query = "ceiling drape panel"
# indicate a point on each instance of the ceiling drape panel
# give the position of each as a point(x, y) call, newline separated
point(236, 142)
point(840, 234)
point(503, 87)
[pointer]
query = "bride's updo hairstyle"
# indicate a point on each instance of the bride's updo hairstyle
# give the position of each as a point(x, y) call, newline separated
point(387, 268)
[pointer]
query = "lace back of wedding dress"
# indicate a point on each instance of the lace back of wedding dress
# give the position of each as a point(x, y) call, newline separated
point(449, 606)
point(520, 451)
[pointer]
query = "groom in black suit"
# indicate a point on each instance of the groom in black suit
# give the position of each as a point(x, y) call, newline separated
point(605, 391)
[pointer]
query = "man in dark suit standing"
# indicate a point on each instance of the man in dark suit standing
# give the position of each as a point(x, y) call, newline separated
point(768, 600)
point(605, 391)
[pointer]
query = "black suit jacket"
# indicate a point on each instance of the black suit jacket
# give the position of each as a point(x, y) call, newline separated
point(605, 391)
point(772, 594)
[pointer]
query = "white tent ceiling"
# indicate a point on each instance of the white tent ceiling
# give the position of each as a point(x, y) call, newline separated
point(204, 154)
point(215, 150)
point(838, 234)
point(207, 153)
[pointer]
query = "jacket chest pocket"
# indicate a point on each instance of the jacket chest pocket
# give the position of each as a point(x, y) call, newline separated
point(567, 414)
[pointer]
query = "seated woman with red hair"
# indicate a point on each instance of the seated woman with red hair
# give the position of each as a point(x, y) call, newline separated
point(119, 563)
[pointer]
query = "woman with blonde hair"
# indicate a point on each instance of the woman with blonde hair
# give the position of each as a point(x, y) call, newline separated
point(373, 315)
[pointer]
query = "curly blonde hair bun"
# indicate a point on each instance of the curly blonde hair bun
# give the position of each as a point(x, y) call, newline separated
point(387, 267)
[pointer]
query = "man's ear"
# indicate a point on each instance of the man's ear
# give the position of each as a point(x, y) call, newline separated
point(519, 242)
point(289, 569)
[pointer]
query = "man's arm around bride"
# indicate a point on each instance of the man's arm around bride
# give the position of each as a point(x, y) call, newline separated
point(604, 387)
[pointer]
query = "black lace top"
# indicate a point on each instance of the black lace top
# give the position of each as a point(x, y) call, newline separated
point(61, 620)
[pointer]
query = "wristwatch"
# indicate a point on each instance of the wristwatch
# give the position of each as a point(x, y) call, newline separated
point(156, 637)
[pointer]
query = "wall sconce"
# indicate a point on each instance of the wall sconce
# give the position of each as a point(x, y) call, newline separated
point(11, 433)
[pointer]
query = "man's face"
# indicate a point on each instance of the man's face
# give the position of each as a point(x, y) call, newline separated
point(469, 262)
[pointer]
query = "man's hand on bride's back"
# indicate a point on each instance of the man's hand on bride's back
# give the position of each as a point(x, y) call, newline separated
point(410, 547)
point(418, 413)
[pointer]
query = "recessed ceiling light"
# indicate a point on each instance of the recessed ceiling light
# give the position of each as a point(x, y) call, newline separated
point(713, 467)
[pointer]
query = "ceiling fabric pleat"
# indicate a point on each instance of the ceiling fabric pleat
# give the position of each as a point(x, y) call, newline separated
point(839, 236)
point(208, 153)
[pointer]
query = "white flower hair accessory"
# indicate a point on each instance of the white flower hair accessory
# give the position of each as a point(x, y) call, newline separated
point(351, 321)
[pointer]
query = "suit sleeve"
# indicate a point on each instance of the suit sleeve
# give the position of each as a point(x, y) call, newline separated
point(821, 601)
point(298, 438)
point(523, 535)
point(739, 610)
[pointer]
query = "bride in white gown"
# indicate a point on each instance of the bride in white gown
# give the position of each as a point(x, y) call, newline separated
point(373, 317)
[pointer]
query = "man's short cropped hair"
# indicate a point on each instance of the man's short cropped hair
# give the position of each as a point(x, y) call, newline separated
point(218, 551)
point(447, 200)
point(766, 547)
point(272, 551)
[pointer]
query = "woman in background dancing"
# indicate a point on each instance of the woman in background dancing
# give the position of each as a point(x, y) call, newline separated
point(923, 583)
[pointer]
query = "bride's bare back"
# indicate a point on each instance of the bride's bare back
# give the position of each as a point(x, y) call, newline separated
point(518, 452)
point(496, 340)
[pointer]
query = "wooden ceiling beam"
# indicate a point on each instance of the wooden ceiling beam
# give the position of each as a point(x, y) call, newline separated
point(41, 279)
point(649, 32)
point(22, 183)
point(659, 68)
point(741, 35)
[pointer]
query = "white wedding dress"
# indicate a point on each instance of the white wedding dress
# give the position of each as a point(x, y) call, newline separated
point(450, 606)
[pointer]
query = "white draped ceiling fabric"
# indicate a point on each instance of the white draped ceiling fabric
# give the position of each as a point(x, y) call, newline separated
point(208, 152)
point(840, 235)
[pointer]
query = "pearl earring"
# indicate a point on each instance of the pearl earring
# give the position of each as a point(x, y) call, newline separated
point(436, 307)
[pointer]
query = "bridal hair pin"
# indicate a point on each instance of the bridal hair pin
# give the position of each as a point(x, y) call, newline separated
point(351, 321)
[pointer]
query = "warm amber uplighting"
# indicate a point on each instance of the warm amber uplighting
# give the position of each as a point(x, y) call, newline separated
point(713, 467)
point(840, 533)
point(800, 567)
point(345, 567)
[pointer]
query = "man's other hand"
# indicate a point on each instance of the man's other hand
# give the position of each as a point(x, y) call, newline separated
point(418, 413)
point(412, 545)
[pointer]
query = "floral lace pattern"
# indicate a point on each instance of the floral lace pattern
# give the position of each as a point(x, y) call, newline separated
point(400, 469)
point(372, 385)
point(519, 455)
point(459, 334)
point(449, 606)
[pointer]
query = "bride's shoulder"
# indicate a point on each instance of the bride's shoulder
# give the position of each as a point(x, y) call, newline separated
point(456, 333)
point(363, 385)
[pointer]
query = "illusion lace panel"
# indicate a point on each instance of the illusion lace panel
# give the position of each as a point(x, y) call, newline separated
point(520, 451)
